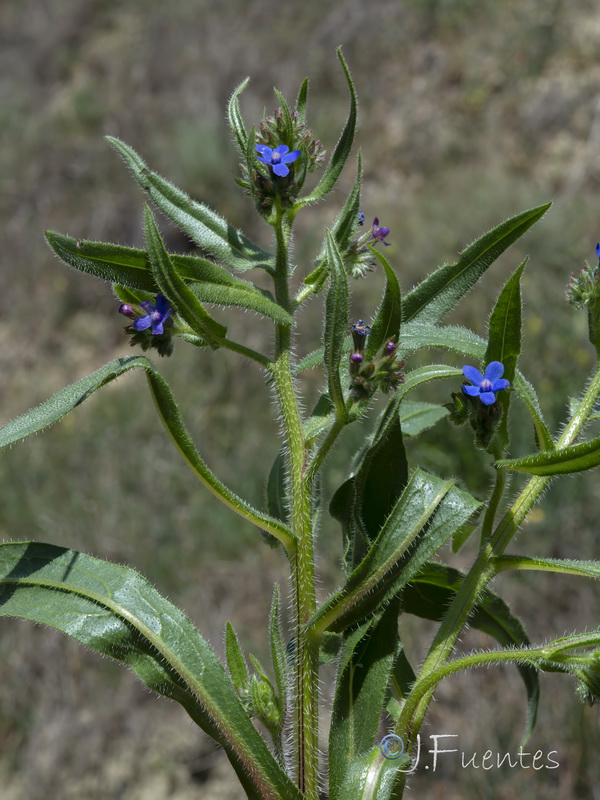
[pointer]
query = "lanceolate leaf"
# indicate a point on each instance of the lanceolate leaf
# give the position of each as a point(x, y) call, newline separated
point(567, 566)
point(126, 266)
point(363, 678)
point(424, 518)
point(342, 148)
point(302, 101)
point(428, 596)
point(175, 288)
point(504, 343)
point(114, 611)
point(440, 292)
point(236, 121)
point(386, 324)
point(336, 324)
point(36, 419)
point(236, 663)
point(564, 461)
point(416, 417)
point(209, 230)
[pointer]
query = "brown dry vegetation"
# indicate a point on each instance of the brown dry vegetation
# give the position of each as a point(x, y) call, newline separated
point(471, 110)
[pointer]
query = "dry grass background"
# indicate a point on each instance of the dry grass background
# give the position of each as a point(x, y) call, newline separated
point(471, 110)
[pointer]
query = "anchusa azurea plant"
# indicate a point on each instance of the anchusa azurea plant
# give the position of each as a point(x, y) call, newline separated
point(395, 517)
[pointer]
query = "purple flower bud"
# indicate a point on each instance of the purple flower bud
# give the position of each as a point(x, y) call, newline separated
point(356, 358)
point(390, 347)
point(127, 310)
point(378, 233)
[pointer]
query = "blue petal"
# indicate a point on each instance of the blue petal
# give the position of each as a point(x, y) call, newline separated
point(280, 169)
point(141, 323)
point(473, 375)
point(162, 304)
point(494, 370)
point(157, 327)
point(264, 151)
point(488, 398)
point(497, 386)
point(472, 390)
point(148, 306)
point(288, 157)
point(598, 249)
point(281, 149)
point(167, 314)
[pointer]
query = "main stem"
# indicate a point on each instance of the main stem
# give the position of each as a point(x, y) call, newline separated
point(480, 575)
point(302, 555)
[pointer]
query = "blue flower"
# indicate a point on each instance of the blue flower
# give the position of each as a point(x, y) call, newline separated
point(277, 158)
point(485, 386)
point(156, 314)
point(598, 249)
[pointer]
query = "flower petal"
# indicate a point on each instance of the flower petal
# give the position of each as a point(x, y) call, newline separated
point(471, 390)
point(148, 306)
point(162, 304)
point(473, 375)
point(141, 323)
point(280, 169)
point(281, 149)
point(498, 385)
point(494, 370)
point(488, 398)
point(157, 327)
point(289, 157)
point(264, 150)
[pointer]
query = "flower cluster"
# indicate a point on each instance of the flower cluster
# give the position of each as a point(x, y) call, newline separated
point(583, 290)
point(359, 259)
point(152, 324)
point(383, 372)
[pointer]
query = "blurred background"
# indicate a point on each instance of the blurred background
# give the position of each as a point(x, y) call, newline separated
point(470, 111)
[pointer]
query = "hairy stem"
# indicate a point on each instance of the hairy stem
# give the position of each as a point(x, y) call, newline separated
point(302, 558)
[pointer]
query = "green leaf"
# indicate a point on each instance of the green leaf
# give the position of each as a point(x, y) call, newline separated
point(114, 611)
point(364, 674)
point(567, 566)
point(428, 596)
point(426, 515)
point(236, 121)
point(416, 417)
point(277, 500)
point(386, 324)
point(205, 227)
point(302, 101)
point(437, 294)
point(371, 776)
point(563, 461)
point(129, 267)
point(342, 148)
point(278, 654)
point(504, 345)
point(174, 287)
point(336, 325)
point(236, 663)
point(49, 412)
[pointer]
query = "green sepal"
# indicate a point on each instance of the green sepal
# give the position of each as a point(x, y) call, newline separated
point(426, 515)
point(437, 294)
point(175, 288)
point(113, 610)
point(504, 345)
point(69, 398)
point(363, 678)
point(336, 325)
point(563, 461)
point(386, 325)
point(236, 121)
point(236, 663)
point(204, 226)
point(428, 596)
point(342, 149)
point(416, 417)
